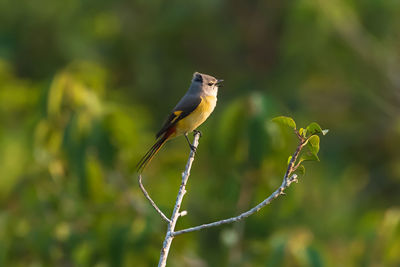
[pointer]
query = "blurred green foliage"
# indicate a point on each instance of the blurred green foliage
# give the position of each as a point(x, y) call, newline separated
point(84, 85)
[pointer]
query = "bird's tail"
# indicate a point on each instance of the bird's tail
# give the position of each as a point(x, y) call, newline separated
point(152, 152)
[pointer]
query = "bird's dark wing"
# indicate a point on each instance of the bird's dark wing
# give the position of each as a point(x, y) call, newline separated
point(186, 106)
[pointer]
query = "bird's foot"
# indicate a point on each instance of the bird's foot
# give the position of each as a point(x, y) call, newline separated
point(197, 132)
point(193, 148)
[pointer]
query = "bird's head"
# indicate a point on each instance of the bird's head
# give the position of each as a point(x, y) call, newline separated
point(208, 84)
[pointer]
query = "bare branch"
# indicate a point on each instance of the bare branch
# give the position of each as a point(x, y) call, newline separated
point(288, 179)
point(175, 214)
point(165, 218)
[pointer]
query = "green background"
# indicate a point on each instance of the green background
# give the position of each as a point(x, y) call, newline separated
point(85, 85)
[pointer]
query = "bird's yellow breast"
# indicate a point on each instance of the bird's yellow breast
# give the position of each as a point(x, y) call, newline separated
point(198, 116)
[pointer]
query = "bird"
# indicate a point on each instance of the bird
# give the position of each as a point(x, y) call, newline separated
point(191, 111)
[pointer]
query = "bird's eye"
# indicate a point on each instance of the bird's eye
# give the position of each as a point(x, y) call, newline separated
point(210, 84)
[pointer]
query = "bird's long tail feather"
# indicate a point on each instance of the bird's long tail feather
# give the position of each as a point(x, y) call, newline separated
point(151, 153)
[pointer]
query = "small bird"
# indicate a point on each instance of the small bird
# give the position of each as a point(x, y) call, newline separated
point(190, 112)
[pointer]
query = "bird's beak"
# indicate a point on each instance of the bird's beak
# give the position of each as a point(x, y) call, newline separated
point(218, 83)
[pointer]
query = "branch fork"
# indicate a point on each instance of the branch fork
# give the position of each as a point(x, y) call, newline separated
point(288, 179)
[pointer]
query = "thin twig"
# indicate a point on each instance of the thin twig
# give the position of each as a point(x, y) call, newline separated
point(288, 179)
point(165, 218)
point(175, 214)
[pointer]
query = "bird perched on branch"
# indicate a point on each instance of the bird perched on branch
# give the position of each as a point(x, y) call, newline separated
point(190, 112)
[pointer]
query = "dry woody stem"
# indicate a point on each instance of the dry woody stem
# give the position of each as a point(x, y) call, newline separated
point(165, 218)
point(175, 214)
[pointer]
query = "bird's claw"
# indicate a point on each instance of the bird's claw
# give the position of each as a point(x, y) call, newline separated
point(193, 148)
point(197, 132)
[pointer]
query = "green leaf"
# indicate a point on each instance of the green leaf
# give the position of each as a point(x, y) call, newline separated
point(288, 160)
point(314, 128)
point(303, 132)
point(313, 144)
point(301, 170)
point(308, 156)
point(325, 131)
point(286, 121)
